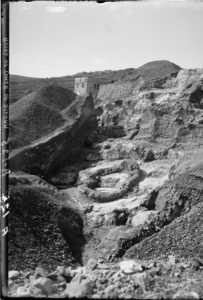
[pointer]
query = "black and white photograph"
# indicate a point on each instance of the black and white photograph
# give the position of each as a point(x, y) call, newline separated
point(102, 149)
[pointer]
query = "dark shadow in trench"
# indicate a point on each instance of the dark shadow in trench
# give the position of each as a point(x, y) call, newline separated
point(71, 226)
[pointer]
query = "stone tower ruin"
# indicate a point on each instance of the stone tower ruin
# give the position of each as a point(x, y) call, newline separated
point(85, 86)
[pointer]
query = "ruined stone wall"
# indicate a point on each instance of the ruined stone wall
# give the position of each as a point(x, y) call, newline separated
point(115, 91)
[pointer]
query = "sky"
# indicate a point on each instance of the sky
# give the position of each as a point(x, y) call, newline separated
point(52, 39)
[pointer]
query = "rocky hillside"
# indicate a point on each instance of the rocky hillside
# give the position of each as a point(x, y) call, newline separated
point(167, 112)
point(39, 216)
point(125, 192)
point(39, 113)
point(21, 85)
point(48, 127)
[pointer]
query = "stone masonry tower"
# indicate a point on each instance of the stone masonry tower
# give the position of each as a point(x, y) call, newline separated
point(85, 86)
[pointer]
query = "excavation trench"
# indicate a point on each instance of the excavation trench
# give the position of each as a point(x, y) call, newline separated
point(113, 221)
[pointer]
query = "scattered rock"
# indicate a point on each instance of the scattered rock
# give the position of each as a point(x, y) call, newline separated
point(39, 272)
point(13, 274)
point(63, 271)
point(131, 279)
point(154, 271)
point(79, 287)
point(36, 292)
point(198, 262)
point(55, 276)
point(141, 217)
point(45, 285)
point(142, 279)
point(109, 290)
point(172, 259)
point(22, 292)
point(91, 265)
point(11, 283)
point(130, 266)
point(184, 295)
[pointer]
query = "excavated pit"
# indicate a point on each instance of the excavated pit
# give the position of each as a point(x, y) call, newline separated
point(101, 177)
point(121, 178)
point(112, 227)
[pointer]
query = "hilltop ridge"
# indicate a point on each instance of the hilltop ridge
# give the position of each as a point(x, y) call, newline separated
point(22, 85)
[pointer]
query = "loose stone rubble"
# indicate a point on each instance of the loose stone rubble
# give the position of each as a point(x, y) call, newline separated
point(128, 279)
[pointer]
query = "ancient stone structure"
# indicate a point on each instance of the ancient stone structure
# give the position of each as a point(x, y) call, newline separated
point(85, 86)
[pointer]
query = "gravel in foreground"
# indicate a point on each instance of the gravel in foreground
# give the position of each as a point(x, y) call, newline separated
point(129, 279)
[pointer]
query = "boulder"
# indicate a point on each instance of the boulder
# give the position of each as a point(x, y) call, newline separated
point(22, 292)
point(13, 274)
point(91, 265)
point(150, 184)
point(61, 270)
point(142, 280)
point(130, 266)
point(79, 287)
point(39, 272)
point(185, 295)
point(46, 285)
point(141, 217)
